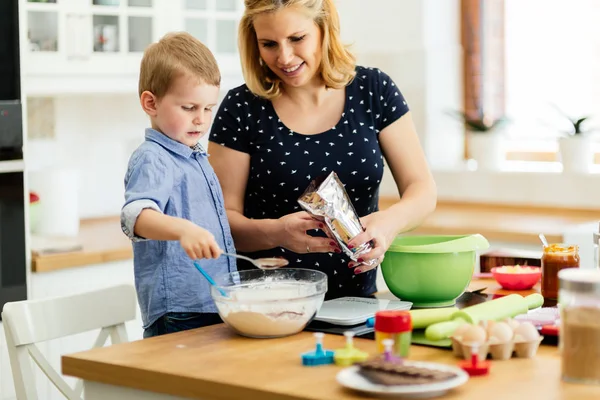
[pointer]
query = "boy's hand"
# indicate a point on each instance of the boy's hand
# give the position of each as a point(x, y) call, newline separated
point(199, 243)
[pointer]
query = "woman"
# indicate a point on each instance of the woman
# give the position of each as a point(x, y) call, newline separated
point(306, 110)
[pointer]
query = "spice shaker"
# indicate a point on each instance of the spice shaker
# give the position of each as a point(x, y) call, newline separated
point(394, 325)
point(579, 343)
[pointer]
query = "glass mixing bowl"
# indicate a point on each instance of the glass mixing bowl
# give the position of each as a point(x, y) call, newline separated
point(269, 303)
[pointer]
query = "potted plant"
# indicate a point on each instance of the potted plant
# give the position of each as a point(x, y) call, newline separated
point(575, 146)
point(485, 141)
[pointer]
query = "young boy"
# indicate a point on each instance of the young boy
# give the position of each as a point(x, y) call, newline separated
point(174, 211)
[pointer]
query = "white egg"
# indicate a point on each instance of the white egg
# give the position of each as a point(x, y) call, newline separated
point(474, 334)
point(458, 333)
point(501, 332)
point(513, 323)
point(489, 326)
point(526, 332)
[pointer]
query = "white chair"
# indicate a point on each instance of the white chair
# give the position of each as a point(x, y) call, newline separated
point(32, 321)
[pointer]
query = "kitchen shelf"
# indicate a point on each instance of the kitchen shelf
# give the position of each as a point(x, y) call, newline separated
point(96, 46)
point(12, 166)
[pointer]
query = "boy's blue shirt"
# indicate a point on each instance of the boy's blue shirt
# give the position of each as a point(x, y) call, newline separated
point(178, 181)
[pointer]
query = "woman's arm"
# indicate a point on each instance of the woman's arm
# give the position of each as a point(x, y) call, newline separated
point(403, 152)
point(249, 235)
point(405, 157)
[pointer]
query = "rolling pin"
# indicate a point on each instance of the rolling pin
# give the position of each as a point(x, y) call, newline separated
point(497, 309)
point(422, 318)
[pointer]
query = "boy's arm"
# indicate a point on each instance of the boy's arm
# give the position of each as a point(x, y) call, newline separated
point(155, 225)
point(197, 242)
point(148, 185)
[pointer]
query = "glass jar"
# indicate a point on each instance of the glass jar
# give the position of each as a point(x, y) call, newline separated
point(555, 258)
point(579, 305)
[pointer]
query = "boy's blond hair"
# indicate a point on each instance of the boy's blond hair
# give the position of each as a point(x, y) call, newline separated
point(174, 55)
point(337, 67)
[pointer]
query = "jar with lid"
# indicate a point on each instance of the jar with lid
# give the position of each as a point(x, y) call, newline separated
point(395, 325)
point(555, 258)
point(579, 343)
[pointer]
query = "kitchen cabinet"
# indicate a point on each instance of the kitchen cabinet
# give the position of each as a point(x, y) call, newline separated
point(95, 46)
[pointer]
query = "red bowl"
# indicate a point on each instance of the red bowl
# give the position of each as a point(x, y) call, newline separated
point(523, 280)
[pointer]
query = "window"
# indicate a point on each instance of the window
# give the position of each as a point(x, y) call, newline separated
point(215, 23)
point(482, 38)
point(551, 52)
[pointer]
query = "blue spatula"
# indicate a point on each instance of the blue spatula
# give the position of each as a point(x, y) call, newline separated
point(209, 279)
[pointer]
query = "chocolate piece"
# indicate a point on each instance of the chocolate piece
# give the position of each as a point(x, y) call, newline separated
point(385, 373)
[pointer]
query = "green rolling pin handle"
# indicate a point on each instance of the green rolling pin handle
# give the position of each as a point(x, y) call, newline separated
point(534, 300)
point(443, 330)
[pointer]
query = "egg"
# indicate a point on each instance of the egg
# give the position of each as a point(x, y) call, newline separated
point(484, 324)
point(513, 323)
point(526, 332)
point(500, 332)
point(458, 333)
point(488, 326)
point(474, 334)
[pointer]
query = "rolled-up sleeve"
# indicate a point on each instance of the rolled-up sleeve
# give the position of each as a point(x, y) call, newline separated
point(148, 184)
point(130, 214)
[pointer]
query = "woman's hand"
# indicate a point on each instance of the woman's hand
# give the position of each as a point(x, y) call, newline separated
point(379, 228)
point(293, 235)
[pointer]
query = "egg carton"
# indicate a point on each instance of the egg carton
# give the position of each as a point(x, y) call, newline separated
point(497, 351)
point(499, 339)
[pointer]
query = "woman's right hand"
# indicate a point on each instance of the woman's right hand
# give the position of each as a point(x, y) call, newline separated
point(294, 237)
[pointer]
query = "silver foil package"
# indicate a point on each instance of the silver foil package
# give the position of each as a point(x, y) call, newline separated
point(326, 200)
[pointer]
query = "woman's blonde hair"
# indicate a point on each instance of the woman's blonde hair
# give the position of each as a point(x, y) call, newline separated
point(337, 64)
point(176, 54)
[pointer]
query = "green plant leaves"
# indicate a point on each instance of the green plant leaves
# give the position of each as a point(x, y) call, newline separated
point(479, 123)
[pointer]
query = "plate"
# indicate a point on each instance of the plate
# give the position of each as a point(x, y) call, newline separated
point(352, 379)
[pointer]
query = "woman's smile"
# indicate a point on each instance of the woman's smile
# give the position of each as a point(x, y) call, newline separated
point(293, 70)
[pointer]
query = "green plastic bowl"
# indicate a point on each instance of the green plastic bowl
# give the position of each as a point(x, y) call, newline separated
point(431, 271)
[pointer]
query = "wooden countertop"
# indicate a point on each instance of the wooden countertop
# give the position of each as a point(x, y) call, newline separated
point(103, 240)
point(215, 363)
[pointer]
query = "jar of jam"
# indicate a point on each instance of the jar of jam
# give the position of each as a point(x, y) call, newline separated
point(555, 258)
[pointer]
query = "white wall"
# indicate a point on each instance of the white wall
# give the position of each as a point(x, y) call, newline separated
point(418, 44)
point(94, 135)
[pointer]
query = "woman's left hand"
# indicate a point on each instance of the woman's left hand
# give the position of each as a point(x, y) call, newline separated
point(380, 229)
